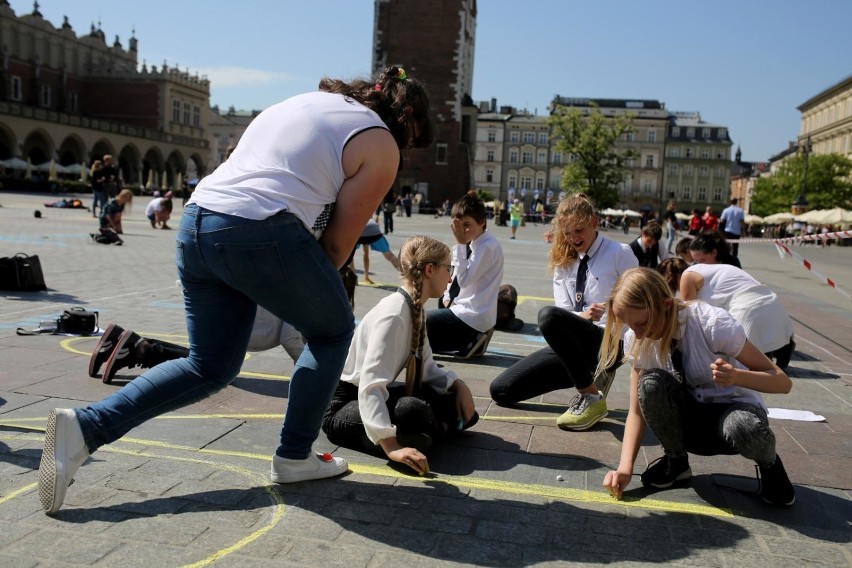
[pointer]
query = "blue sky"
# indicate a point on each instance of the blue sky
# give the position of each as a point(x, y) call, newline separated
point(743, 64)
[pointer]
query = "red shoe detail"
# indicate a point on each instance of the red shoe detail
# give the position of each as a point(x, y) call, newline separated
point(326, 457)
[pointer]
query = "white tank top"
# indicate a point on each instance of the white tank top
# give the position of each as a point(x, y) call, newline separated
point(290, 157)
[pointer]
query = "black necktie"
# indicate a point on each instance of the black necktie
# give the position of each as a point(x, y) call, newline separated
point(454, 287)
point(580, 288)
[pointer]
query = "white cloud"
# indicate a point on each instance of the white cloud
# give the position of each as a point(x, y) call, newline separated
point(243, 76)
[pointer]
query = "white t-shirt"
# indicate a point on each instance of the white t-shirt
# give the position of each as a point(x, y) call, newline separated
point(721, 282)
point(378, 354)
point(479, 277)
point(290, 157)
point(154, 206)
point(705, 333)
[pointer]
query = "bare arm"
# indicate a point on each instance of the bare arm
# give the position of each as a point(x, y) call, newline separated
point(690, 284)
point(634, 428)
point(762, 375)
point(370, 162)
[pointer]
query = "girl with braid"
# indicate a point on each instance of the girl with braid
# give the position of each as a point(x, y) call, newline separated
point(370, 411)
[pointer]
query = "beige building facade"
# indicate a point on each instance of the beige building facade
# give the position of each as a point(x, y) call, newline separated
point(827, 120)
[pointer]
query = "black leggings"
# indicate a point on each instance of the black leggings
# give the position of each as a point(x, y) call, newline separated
point(569, 360)
point(431, 413)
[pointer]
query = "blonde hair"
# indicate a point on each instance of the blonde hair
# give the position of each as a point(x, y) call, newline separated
point(639, 289)
point(574, 210)
point(96, 165)
point(415, 254)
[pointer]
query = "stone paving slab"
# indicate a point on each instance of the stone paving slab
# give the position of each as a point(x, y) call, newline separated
point(191, 487)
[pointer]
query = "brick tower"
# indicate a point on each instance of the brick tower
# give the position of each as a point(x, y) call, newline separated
point(434, 42)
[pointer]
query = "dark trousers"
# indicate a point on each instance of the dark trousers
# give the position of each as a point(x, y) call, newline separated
point(429, 413)
point(683, 424)
point(447, 333)
point(388, 222)
point(569, 360)
point(152, 352)
point(735, 247)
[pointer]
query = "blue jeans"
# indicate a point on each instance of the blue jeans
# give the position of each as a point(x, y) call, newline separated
point(98, 197)
point(227, 266)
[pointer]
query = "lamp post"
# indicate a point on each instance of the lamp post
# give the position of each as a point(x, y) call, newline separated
point(801, 203)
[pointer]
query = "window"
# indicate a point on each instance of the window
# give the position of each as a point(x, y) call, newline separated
point(629, 137)
point(489, 175)
point(705, 153)
point(186, 113)
point(702, 193)
point(490, 156)
point(703, 171)
point(689, 153)
point(514, 136)
point(223, 140)
point(542, 157)
point(527, 158)
point(687, 170)
point(529, 137)
point(705, 132)
point(513, 156)
point(628, 162)
point(539, 183)
point(45, 95)
point(673, 169)
point(492, 136)
point(513, 180)
point(720, 172)
point(670, 192)
point(196, 116)
point(652, 136)
point(721, 134)
point(686, 192)
point(72, 101)
point(675, 131)
point(542, 137)
point(690, 133)
point(526, 182)
point(674, 152)
point(175, 111)
point(648, 185)
point(717, 194)
point(555, 180)
point(16, 93)
point(649, 161)
point(721, 154)
point(440, 153)
point(557, 157)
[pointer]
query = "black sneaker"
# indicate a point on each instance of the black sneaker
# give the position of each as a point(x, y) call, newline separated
point(104, 348)
point(775, 486)
point(666, 471)
point(123, 356)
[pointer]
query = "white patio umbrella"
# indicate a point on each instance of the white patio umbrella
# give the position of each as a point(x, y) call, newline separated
point(179, 181)
point(149, 184)
point(753, 219)
point(15, 164)
point(777, 218)
point(631, 213)
point(810, 216)
point(51, 171)
point(682, 216)
point(164, 181)
point(611, 211)
point(835, 216)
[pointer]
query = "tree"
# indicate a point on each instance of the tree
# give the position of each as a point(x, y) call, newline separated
point(588, 141)
point(828, 185)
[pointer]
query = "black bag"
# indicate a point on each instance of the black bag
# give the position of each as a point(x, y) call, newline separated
point(78, 321)
point(22, 273)
point(73, 320)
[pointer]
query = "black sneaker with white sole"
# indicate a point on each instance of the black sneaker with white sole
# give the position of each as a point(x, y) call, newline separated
point(123, 356)
point(664, 472)
point(104, 348)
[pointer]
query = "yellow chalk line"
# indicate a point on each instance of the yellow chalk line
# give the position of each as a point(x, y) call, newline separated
point(509, 487)
point(17, 492)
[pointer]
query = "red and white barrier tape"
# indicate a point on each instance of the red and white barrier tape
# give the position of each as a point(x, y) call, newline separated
point(783, 248)
point(816, 237)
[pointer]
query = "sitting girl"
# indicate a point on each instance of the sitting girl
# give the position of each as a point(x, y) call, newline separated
point(369, 412)
point(695, 382)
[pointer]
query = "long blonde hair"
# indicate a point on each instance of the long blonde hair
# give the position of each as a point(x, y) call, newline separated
point(574, 210)
point(640, 289)
point(415, 254)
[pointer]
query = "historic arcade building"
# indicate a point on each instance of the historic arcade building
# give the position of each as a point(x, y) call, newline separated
point(72, 99)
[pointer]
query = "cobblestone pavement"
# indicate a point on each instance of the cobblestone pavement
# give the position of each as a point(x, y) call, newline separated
point(190, 488)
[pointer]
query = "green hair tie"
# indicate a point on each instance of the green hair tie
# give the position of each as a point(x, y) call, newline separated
point(400, 74)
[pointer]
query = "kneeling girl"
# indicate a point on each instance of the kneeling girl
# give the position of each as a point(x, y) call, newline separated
point(371, 413)
point(695, 381)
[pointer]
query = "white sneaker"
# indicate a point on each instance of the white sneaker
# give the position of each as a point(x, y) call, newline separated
point(315, 466)
point(64, 452)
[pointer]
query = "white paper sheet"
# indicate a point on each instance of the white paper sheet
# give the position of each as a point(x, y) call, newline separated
point(802, 415)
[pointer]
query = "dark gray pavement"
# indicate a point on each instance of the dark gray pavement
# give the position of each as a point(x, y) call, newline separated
point(191, 487)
